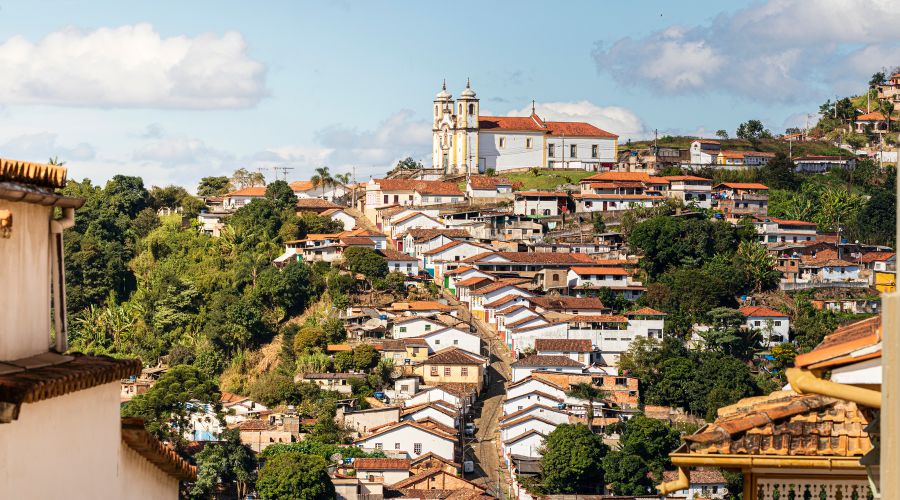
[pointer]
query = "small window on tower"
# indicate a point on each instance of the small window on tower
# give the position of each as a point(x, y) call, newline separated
point(503, 142)
point(435, 109)
point(528, 143)
point(471, 109)
point(460, 108)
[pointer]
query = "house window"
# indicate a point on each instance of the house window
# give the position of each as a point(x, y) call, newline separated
point(778, 323)
point(396, 446)
point(621, 381)
point(379, 446)
point(402, 329)
point(464, 371)
point(386, 198)
point(502, 141)
point(455, 341)
point(417, 448)
point(434, 371)
point(551, 150)
point(427, 327)
point(573, 149)
point(437, 341)
point(446, 371)
point(409, 268)
point(595, 151)
point(396, 198)
point(528, 143)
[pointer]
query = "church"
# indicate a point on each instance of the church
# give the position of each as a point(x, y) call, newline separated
point(465, 142)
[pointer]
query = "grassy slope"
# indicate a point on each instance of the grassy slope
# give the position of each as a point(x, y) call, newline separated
point(769, 145)
point(547, 180)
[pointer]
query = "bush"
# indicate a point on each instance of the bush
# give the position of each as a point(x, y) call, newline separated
point(295, 476)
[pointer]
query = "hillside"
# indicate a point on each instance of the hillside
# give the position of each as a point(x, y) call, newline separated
point(547, 179)
point(798, 148)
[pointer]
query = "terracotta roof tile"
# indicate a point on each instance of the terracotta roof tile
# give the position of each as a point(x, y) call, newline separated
point(536, 258)
point(254, 191)
point(563, 345)
point(578, 129)
point(425, 234)
point(563, 302)
point(525, 123)
point(609, 271)
point(785, 424)
point(698, 476)
point(35, 174)
point(742, 185)
point(838, 345)
point(421, 187)
point(391, 254)
point(645, 311)
point(381, 464)
point(452, 244)
point(540, 360)
point(750, 311)
point(301, 186)
point(82, 372)
point(870, 257)
point(163, 456)
point(452, 356)
point(487, 182)
point(314, 203)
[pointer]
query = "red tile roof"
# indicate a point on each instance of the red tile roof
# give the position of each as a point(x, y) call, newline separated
point(425, 234)
point(255, 191)
point(422, 187)
point(624, 176)
point(751, 311)
point(420, 305)
point(563, 345)
point(564, 302)
point(301, 185)
point(876, 256)
point(392, 255)
point(541, 360)
point(609, 271)
point(487, 181)
point(742, 185)
point(536, 257)
point(685, 178)
point(381, 464)
point(837, 347)
point(871, 117)
point(163, 456)
point(645, 311)
point(525, 123)
point(452, 356)
point(314, 203)
point(554, 194)
point(449, 245)
point(578, 129)
point(698, 476)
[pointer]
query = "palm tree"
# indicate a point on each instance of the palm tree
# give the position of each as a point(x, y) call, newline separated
point(322, 179)
point(589, 393)
point(343, 178)
point(55, 161)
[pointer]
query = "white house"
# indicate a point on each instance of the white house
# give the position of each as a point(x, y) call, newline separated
point(381, 470)
point(491, 293)
point(415, 326)
point(578, 350)
point(444, 393)
point(772, 230)
point(513, 404)
point(411, 437)
point(552, 414)
point(339, 214)
point(516, 427)
point(418, 241)
point(582, 279)
point(416, 220)
point(462, 273)
point(705, 151)
point(399, 262)
point(527, 444)
point(690, 189)
point(524, 366)
point(522, 336)
point(703, 483)
point(240, 408)
point(540, 203)
point(435, 410)
point(530, 385)
point(594, 202)
point(452, 252)
point(305, 189)
point(482, 186)
point(452, 337)
point(237, 199)
point(774, 325)
point(409, 192)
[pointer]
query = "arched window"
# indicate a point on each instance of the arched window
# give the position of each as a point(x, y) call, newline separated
point(460, 108)
point(435, 110)
point(471, 109)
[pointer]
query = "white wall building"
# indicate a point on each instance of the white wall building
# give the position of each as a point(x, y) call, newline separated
point(412, 438)
point(774, 325)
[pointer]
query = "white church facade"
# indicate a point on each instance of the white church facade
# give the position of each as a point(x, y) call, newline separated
point(464, 142)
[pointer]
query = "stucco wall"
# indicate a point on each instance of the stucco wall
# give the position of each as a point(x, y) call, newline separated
point(71, 447)
point(25, 275)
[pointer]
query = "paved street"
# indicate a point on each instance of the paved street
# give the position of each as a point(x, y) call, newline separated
point(484, 450)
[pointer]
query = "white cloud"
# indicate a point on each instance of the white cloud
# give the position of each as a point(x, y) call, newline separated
point(178, 151)
point(131, 67)
point(43, 145)
point(615, 119)
point(768, 52)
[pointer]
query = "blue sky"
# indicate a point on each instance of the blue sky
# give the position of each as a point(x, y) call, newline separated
point(174, 91)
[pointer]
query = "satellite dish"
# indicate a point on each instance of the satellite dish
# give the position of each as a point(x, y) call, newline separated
point(337, 457)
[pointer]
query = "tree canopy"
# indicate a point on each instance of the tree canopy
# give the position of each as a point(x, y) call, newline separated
point(572, 460)
point(295, 476)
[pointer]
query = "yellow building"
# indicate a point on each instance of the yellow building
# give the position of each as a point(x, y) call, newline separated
point(405, 352)
point(886, 281)
point(454, 366)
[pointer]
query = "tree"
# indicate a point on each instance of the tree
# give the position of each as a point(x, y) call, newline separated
point(590, 393)
point(366, 261)
point(644, 446)
point(364, 357)
point(308, 338)
point(722, 134)
point(225, 462)
point(170, 197)
point(295, 476)
point(213, 186)
point(343, 361)
point(877, 221)
point(571, 460)
point(166, 407)
point(242, 178)
point(793, 131)
point(877, 79)
point(779, 173)
point(281, 194)
point(758, 264)
point(598, 223)
point(753, 131)
point(274, 388)
point(322, 179)
point(408, 163)
point(726, 334)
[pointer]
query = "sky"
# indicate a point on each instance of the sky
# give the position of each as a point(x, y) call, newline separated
point(176, 91)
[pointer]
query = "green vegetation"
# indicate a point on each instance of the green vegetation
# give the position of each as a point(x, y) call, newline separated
point(644, 448)
point(545, 179)
point(226, 464)
point(295, 476)
point(572, 460)
point(803, 148)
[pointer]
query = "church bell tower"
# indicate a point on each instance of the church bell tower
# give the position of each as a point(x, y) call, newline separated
point(443, 131)
point(467, 132)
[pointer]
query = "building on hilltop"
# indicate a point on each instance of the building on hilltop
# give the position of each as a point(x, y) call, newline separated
point(465, 142)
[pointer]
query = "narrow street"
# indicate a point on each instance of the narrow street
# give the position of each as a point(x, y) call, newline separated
point(484, 450)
